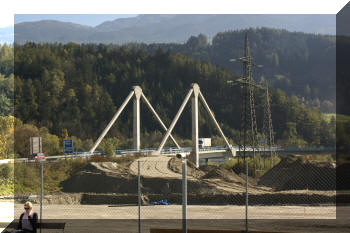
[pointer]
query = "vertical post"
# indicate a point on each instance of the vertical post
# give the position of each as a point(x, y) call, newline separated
point(136, 122)
point(195, 144)
point(139, 194)
point(246, 195)
point(31, 145)
point(41, 191)
point(184, 195)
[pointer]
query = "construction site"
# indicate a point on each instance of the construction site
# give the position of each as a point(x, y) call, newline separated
point(184, 189)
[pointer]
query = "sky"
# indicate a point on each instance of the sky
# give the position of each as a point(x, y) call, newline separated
point(9, 8)
point(84, 19)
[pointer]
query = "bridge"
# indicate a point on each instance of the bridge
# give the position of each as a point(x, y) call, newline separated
point(195, 95)
point(217, 152)
point(195, 152)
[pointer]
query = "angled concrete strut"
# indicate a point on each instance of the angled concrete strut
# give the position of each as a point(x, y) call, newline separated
point(115, 117)
point(158, 118)
point(171, 127)
point(216, 123)
point(137, 93)
point(195, 93)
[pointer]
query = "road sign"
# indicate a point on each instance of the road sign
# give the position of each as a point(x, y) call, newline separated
point(35, 145)
point(67, 146)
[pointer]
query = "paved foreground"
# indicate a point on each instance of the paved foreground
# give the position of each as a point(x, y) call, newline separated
point(104, 218)
point(175, 212)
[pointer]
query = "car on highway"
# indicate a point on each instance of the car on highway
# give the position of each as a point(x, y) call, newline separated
point(37, 156)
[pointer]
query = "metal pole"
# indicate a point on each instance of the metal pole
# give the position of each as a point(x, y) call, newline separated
point(184, 196)
point(246, 195)
point(41, 191)
point(139, 193)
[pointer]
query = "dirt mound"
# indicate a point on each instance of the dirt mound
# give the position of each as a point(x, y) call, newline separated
point(113, 178)
point(295, 174)
point(106, 167)
point(175, 165)
point(101, 177)
point(220, 173)
point(206, 171)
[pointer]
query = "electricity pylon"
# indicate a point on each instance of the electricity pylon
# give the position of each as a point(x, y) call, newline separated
point(248, 116)
point(268, 134)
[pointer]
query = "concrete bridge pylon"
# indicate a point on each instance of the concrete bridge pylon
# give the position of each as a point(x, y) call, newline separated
point(138, 95)
point(195, 93)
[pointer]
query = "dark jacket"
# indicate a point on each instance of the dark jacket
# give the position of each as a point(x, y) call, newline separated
point(33, 221)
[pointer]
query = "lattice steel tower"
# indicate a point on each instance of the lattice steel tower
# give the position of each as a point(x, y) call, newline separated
point(248, 130)
point(268, 134)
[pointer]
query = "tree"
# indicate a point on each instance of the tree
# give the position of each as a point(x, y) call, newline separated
point(108, 146)
point(194, 43)
point(6, 136)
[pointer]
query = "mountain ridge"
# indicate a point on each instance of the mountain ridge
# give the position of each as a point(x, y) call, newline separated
point(164, 28)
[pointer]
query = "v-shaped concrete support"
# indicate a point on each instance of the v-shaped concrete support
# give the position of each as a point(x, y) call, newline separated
point(195, 93)
point(137, 93)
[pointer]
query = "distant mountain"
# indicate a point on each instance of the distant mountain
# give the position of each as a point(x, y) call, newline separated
point(51, 31)
point(166, 28)
point(6, 35)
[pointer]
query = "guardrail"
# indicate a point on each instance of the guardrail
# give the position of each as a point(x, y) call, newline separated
point(172, 150)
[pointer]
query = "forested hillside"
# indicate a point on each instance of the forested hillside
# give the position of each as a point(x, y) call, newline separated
point(298, 63)
point(6, 80)
point(79, 88)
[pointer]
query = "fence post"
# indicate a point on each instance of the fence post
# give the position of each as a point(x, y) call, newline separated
point(246, 195)
point(41, 191)
point(184, 195)
point(139, 194)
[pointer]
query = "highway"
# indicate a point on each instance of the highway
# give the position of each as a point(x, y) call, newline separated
point(175, 150)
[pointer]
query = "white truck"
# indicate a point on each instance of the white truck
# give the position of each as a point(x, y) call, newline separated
point(204, 142)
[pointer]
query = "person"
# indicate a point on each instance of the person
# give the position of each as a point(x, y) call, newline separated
point(27, 221)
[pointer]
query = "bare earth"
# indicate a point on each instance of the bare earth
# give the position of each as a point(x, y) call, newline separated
point(175, 212)
point(281, 217)
point(123, 218)
point(154, 167)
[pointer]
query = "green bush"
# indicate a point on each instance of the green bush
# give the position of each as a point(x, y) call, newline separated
point(6, 171)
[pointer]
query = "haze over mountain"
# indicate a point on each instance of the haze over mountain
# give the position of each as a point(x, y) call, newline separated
point(166, 28)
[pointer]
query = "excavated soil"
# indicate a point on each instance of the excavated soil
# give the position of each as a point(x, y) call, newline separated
point(294, 174)
point(112, 183)
point(113, 178)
